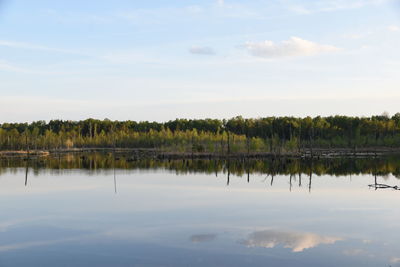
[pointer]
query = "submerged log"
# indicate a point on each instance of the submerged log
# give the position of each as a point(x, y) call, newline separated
point(384, 186)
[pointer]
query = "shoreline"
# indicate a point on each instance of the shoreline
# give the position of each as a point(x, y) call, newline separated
point(138, 153)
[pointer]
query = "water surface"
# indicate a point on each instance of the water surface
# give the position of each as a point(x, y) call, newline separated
point(97, 210)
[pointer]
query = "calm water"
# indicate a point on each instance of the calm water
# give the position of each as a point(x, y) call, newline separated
point(89, 210)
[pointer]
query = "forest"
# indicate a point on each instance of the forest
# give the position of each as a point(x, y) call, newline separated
point(235, 135)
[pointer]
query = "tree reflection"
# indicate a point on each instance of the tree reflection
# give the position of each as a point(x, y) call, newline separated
point(95, 163)
point(26, 171)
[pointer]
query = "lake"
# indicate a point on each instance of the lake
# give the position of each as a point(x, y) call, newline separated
point(100, 210)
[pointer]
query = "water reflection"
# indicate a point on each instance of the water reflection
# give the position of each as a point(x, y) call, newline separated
point(296, 241)
point(202, 238)
point(395, 260)
point(354, 252)
point(26, 171)
point(98, 162)
point(17, 237)
point(95, 163)
point(163, 215)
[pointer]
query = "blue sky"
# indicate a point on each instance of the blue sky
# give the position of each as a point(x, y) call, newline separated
point(160, 60)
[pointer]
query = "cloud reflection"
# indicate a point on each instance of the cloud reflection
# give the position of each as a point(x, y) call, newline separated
point(354, 252)
point(296, 241)
point(395, 260)
point(203, 238)
point(24, 245)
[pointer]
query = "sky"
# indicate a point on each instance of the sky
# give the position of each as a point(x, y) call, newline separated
point(164, 59)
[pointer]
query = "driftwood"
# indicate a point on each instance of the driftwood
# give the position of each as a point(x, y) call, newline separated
point(383, 186)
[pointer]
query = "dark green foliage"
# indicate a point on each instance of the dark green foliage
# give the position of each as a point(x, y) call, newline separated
point(274, 134)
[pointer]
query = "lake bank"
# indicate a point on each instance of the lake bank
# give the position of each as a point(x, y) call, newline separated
point(138, 153)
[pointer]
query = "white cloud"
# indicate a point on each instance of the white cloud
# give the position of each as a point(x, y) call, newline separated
point(75, 18)
point(294, 240)
point(6, 66)
point(160, 15)
point(202, 50)
point(394, 28)
point(293, 47)
point(310, 7)
point(220, 2)
point(22, 45)
point(30, 46)
point(356, 36)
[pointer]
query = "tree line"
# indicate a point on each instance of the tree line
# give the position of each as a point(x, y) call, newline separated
point(269, 134)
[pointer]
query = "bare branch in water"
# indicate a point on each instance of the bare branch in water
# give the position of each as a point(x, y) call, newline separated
point(384, 186)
